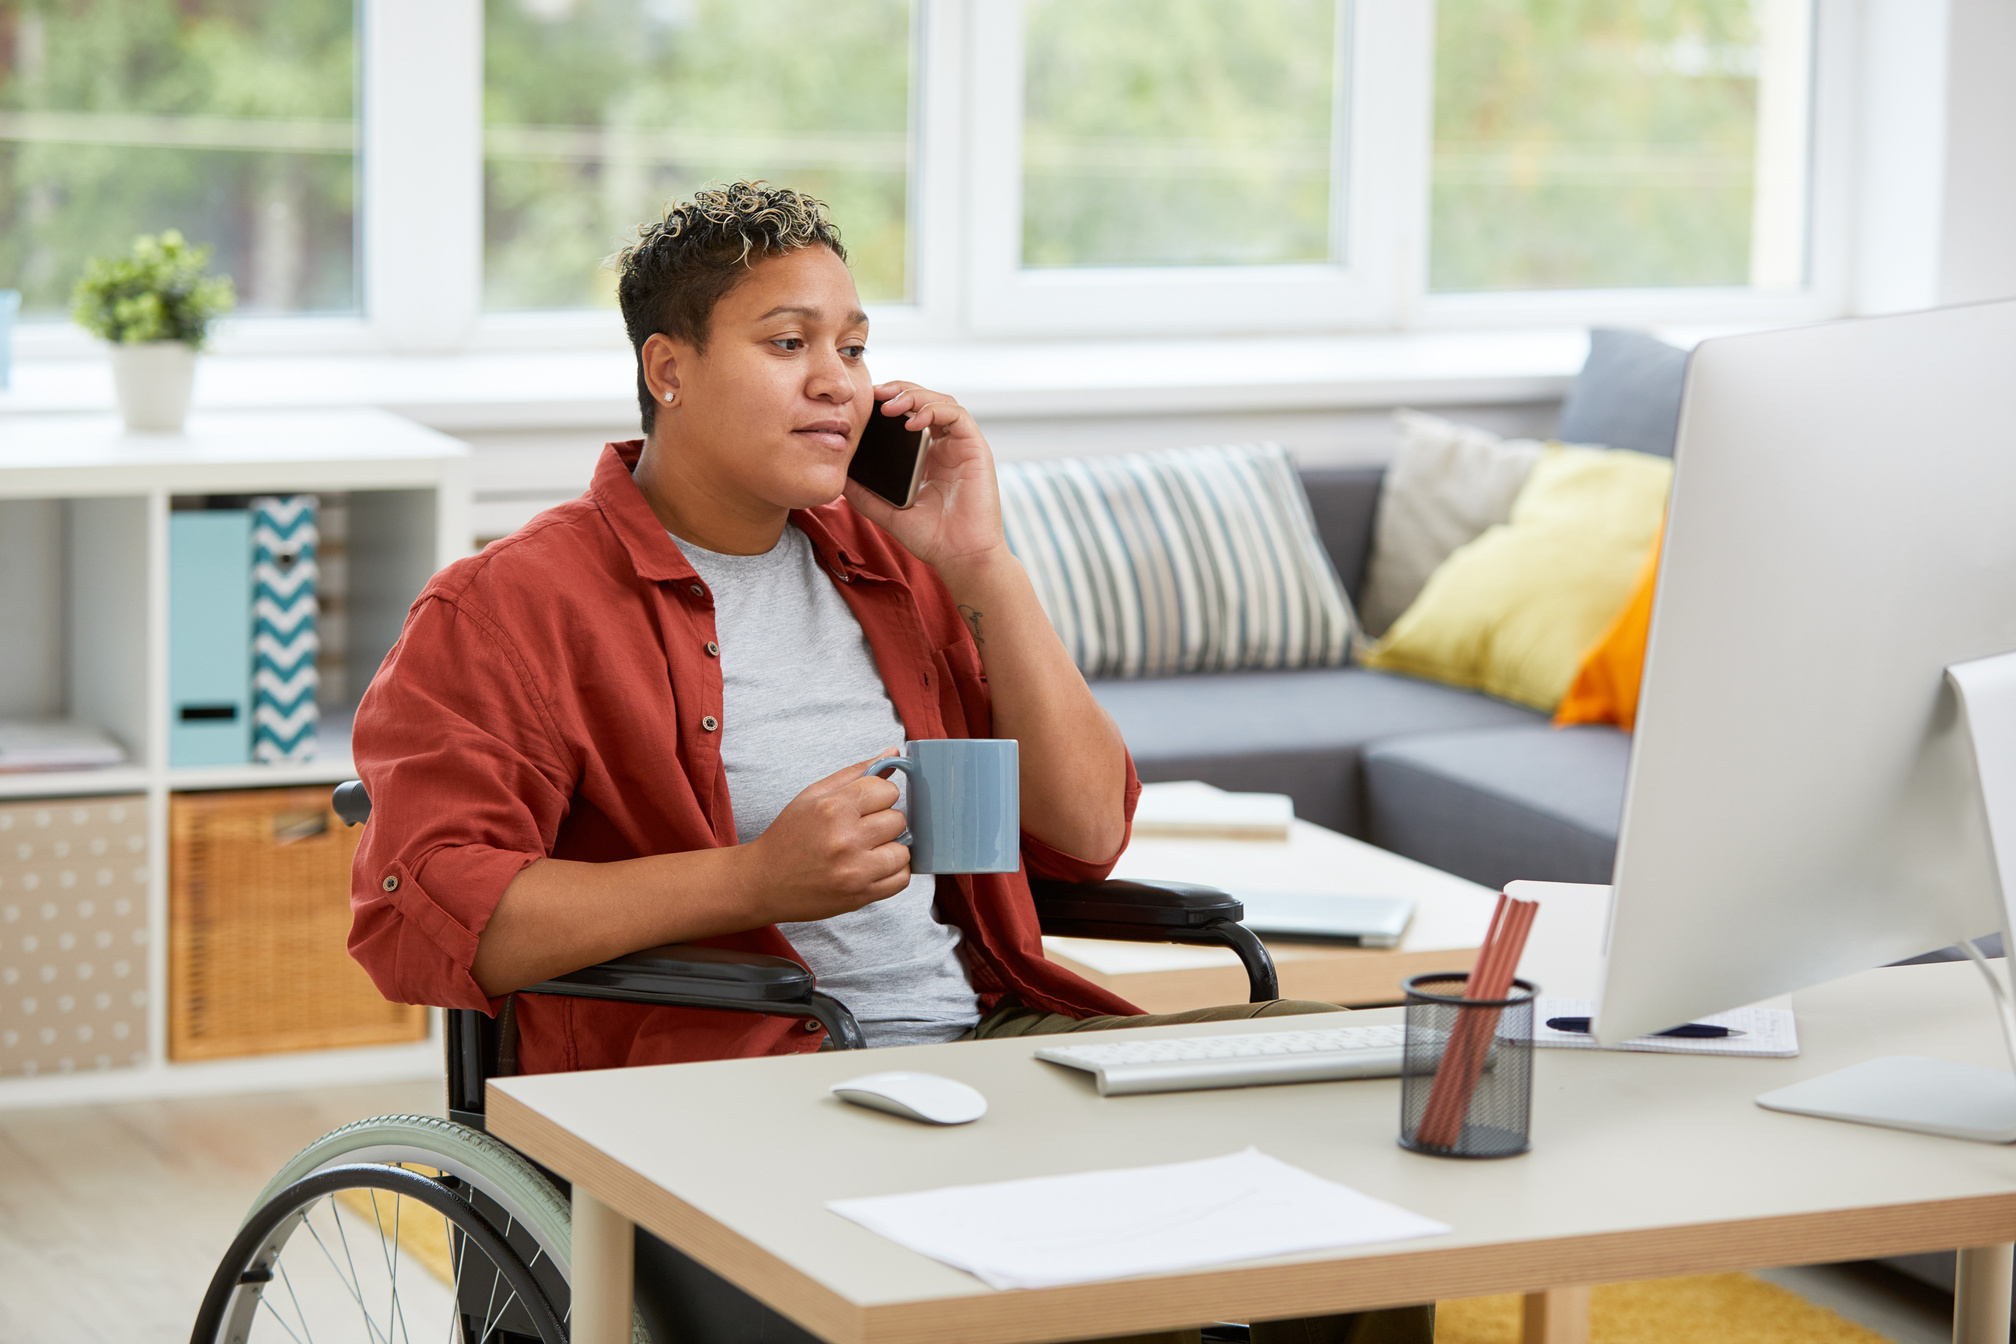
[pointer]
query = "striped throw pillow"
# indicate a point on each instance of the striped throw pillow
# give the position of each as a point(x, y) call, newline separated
point(1189, 560)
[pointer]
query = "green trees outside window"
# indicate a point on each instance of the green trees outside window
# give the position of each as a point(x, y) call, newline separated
point(599, 112)
point(1577, 144)
point(231, 120)
point(1592, 144)
point(1178, 132)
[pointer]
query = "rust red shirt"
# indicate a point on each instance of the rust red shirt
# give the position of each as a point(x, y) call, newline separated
point(552, 696)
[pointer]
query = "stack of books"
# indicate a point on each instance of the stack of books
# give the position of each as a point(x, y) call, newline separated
point(1191, 810)
point(33, 745)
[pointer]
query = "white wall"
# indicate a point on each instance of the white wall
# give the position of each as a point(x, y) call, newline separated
point(1936, 192)
point(1978, 238)
point(519, 473)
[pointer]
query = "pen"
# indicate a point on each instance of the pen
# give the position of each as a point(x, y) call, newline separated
point(1701, 1031)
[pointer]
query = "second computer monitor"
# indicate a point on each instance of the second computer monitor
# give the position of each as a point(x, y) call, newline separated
point(1802, 799)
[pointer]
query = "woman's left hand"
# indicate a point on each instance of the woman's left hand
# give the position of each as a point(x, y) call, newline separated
point(956, 521)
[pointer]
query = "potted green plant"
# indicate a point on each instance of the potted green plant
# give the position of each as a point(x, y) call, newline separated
point(155, 306)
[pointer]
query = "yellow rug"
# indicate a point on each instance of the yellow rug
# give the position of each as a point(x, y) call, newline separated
point(1704, 1309)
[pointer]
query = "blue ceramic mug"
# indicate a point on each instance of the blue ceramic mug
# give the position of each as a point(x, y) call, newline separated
point(965, 804)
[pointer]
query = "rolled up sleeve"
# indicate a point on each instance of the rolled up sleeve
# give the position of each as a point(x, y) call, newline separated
point(469, 783)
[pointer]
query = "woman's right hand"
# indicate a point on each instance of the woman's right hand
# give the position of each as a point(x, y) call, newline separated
point(831, 850)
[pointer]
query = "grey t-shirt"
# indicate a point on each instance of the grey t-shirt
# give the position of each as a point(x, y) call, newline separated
point(801, 697)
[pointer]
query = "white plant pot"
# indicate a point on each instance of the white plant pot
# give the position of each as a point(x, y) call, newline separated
point(153, 380)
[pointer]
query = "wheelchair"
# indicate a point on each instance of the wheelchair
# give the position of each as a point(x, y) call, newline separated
point(417, 1227)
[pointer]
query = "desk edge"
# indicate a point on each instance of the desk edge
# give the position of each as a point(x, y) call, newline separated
point(734, 1257)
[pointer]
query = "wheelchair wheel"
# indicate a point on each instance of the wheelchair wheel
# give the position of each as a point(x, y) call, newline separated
point(399, 1227)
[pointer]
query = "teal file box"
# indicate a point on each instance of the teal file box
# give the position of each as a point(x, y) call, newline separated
point(209, 637)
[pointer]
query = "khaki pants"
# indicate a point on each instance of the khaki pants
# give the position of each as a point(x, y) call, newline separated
point(1397, 1325)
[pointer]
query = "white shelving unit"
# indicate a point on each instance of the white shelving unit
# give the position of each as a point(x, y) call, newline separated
point(84, 633)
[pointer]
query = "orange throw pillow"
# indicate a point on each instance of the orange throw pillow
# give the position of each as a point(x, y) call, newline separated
point(1605, 689)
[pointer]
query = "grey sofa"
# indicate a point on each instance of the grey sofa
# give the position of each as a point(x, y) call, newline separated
point(1463, 782)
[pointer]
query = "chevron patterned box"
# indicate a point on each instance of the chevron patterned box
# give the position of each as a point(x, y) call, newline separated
point(284, 644)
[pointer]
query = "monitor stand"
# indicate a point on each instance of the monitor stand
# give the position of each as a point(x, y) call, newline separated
point(1935, 1096)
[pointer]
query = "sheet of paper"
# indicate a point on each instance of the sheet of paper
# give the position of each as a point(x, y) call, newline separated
point(1767, 1027)
point(1052, 1230)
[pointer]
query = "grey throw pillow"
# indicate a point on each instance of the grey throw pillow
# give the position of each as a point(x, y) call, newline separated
point(1446, 485)
point(1627, 395)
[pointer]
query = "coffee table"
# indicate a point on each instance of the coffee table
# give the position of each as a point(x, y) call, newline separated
point(1450, 917)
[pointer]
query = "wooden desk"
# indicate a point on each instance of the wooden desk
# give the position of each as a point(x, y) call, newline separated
point(1449, 921)
point(1642, 1166)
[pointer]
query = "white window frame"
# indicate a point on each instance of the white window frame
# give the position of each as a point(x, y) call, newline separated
point(1382, 105)
point(420, 232)
point(421, 240)
point(1829, 231)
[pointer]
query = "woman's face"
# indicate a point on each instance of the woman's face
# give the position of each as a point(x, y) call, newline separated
point(772, 409)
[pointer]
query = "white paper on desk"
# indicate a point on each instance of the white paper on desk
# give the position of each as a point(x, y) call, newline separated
point(1052, 1230)
point(1768, 1031)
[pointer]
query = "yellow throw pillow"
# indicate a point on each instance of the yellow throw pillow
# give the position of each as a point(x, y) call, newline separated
point(1512, 612)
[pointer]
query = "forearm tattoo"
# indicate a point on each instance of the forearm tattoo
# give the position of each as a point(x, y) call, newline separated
point(972, 619)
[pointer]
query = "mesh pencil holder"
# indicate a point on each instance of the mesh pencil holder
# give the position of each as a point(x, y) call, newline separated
point(1466, 1074)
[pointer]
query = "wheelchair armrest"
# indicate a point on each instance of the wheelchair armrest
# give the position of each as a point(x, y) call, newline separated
point(1147, 907)
point(681, 976)
point(1155, 912)
point(676, 975)
point(673, 976)
point(643, 977)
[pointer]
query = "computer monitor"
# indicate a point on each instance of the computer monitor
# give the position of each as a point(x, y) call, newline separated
point(1803, 800)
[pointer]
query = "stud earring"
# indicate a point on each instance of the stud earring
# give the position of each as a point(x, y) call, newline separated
point(669, 396)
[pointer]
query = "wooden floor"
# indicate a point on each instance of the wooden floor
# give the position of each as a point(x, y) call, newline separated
point(112, 1218)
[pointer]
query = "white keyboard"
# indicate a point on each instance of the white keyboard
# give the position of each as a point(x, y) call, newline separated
point(1192, 1063)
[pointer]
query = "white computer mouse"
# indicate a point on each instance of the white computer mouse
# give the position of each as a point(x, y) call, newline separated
point(915, 1096)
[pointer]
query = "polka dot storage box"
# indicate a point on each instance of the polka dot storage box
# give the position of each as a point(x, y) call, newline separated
point(73, 935)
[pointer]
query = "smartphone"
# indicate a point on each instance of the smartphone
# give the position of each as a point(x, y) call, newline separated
point(890, 459)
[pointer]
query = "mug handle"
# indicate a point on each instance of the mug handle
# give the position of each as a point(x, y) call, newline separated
point(908, 767)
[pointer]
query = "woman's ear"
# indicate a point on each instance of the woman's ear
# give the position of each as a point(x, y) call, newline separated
point(660, 360)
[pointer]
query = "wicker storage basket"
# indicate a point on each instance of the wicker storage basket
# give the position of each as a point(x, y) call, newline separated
point(258, 913)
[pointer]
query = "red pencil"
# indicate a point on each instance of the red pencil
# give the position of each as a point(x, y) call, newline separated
point(1469, 1044)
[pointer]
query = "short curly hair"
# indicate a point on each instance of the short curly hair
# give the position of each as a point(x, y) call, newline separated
point(669, 280)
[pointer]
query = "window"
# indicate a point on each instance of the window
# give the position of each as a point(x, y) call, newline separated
point(999, 168)
point(1190, 165)
point(600, 112)
point(1178, 132)
point(231, 120)
point(1651, 143)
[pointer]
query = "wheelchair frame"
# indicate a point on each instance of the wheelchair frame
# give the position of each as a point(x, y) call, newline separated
point(479, 1047)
